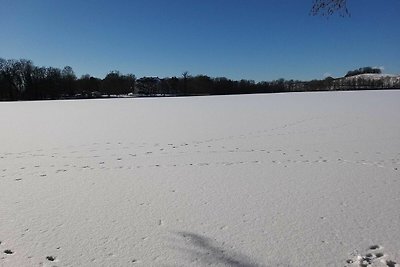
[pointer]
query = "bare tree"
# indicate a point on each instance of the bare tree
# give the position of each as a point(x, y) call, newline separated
point(68, 81)
point(329, 7)
point(185, 76)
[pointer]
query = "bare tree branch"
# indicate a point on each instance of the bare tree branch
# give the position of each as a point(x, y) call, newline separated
point(329, 7)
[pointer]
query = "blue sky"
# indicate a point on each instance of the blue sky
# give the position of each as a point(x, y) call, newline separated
point(238, 39)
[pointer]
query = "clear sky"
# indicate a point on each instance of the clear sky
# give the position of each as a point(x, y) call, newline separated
point(238, 39)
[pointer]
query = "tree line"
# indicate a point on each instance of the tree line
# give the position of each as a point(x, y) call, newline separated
point(364, 70)
point(22, 80)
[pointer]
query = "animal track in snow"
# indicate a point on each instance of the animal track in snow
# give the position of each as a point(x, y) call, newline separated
point(50, 258)
point(8, 252)
point(374, 257)
point(266, 154)
point(373, 247)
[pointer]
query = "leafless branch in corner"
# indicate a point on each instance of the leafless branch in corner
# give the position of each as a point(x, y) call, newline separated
point(329, 7)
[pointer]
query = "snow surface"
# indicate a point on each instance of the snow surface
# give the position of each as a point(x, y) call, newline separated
point(392, 78)
point(376, 75)
point(299, 179)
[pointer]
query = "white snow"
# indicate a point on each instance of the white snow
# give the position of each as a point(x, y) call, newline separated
point(392, 78)
point(299, 179)
point(375, 75)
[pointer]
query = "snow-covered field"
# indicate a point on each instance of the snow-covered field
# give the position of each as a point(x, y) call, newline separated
point(300, 179)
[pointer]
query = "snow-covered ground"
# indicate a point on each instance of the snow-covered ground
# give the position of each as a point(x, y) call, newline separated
point(388, 80)
point(299, 179)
